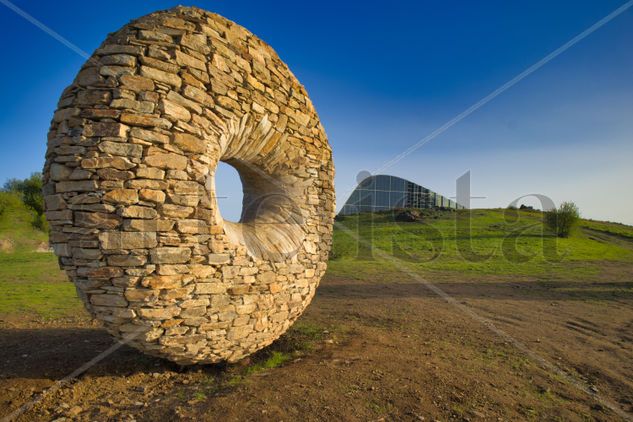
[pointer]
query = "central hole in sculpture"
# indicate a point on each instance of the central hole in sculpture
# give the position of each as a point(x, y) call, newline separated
point(259, 209)
point(229, 192)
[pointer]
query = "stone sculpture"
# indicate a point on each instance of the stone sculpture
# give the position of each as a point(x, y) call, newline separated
point(129, 188)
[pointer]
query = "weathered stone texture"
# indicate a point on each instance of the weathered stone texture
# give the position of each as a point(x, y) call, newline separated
point(129, 188)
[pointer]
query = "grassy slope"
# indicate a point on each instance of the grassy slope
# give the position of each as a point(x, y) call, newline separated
point(31, 281)
point(508, 244)
point(615, 229)
point(16, 224)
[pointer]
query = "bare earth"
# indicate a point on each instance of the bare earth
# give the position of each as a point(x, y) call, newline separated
point(386, 350)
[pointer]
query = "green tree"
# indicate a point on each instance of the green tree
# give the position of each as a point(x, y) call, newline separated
point(30, 189)
point(562, 219)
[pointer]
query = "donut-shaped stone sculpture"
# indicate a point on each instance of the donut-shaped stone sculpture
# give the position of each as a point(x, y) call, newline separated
point(130, 192)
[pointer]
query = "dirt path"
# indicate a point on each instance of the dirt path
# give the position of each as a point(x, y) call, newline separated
point(374, 351)
point(606, 237)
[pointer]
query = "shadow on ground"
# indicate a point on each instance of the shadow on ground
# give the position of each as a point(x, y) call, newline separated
point(538, 291)
point(54, 353)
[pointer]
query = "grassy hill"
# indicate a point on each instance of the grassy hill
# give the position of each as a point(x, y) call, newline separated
point(17, 232)
point(486, 242)
point(494, 243)
point(30, 279)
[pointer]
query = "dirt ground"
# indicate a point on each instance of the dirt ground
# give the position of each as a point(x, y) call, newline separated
point(381, 350)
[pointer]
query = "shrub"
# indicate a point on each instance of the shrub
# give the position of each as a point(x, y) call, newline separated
point(31, 191)
point(408, 215)
point(40, 222)
point(339, 217)
point(563, 219)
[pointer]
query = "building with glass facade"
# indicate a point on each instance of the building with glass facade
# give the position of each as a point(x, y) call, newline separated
point(383, 192)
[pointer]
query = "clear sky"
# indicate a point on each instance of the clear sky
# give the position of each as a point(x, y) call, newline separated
point(383, 75)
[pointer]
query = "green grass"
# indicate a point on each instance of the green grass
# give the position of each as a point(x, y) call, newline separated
point(493, 242)
point(199, 396)
point(30, 282)
point(275, 360)
point(616, 229)
point(30, 267)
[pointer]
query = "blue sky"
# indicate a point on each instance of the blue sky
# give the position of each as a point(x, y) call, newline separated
point(382, 75)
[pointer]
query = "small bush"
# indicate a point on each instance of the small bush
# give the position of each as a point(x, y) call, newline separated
point(563, 219)
point(40, 222)
point(408, 215)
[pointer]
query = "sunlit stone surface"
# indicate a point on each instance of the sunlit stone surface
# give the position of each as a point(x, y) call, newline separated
point(130, 189)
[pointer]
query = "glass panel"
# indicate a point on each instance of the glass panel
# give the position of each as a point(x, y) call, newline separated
point(349, 209)
point(382, 199)
point(414, 200)
point(354, 198)
point(396, 199)
point(366, 197)
point(382, 183)
point(397, 184)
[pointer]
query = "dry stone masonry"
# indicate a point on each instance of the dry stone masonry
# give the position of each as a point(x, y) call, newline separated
point(130, 190)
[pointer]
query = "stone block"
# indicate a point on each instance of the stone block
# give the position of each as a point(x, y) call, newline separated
point(127, 240)
point(170, 255)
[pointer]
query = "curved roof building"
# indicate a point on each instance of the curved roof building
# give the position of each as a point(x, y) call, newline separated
point(384, 192)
